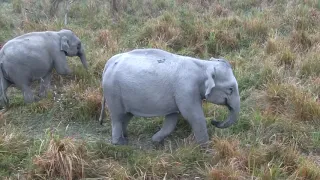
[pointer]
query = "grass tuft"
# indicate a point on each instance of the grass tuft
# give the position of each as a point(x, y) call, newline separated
point(256, 28)
point(307, 170)
point(288, 100)
point(70, 159)
point(286, 58)
point(310, 66)
point(106, 40)
point(164, 28)
point(85, 105)
point(14, 147)
point(271, 46)
point(63, 159)
point(276, 63)
point(300, 40)
point(221, 41)
point(226, 149)
point(226, 172)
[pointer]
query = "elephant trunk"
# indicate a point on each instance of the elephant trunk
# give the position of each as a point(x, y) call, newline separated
point(83, 58)
point(234, 109)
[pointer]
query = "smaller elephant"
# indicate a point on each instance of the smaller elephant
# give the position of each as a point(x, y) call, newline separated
point(153, 82)
point(32, 56)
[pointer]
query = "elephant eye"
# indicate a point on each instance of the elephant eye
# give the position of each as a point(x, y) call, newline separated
point(231, 90)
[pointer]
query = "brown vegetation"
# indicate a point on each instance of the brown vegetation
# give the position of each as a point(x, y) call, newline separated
point(273, 47)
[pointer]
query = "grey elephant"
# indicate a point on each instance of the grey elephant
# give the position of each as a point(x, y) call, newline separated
point(32, 56)
point(154, 82)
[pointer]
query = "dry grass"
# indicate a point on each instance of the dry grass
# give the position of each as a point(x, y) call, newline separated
point(226, 172)
point(106, 39)
point(14, 147)
point(290, 101)
point(220, 10)
point(310, 65)
point(300, 40)
point(306, 170)
point(69, 159)
point(62, 159)
point(92, 97)
point(226, 149)
point(271, 46)
point(286, 58)
point(222, 40)
point(164, 28)
point(275, 60)
point(257, 28)
point(80, 103)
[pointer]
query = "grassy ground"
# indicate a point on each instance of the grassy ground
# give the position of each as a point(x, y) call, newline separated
point(274, 47)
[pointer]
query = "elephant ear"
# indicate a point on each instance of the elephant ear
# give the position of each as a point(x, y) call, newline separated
point(64, 46)
point(209, 84)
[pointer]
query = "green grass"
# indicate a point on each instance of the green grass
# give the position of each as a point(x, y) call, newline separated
point(275, 60)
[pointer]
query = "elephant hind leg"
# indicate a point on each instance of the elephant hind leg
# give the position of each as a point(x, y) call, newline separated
point(125, 121)
point(119, 125)
point(4, 84)
point(168, 126)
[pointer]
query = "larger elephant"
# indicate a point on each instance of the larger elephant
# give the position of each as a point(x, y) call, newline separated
point(154, 82)
point(32, 56)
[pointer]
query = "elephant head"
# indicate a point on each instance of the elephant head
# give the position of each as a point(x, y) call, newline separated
point(221, 88)
point(71, 45)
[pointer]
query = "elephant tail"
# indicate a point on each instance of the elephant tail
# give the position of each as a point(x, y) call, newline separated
point(3, 86)
point(102, 114)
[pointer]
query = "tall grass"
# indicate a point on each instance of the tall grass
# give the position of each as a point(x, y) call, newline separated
point(274, 47)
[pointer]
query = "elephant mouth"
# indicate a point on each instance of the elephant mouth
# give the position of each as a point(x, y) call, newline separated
point(226, 104)
point(229, 107)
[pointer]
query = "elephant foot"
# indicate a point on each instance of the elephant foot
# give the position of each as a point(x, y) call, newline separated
point(158, 144)
point(125, 135)
point(32, 99)
point(37, 99)
point(42, 95)
point(121, 141)
point(4, 106)
point(205, 146)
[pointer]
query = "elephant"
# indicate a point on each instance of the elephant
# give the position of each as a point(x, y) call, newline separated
point(32, 56)
point(153, 82)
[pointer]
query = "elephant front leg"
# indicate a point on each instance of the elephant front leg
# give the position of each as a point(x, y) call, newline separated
point(193, 113)
point(168, 126)
point(44, 85)
point(61, 65)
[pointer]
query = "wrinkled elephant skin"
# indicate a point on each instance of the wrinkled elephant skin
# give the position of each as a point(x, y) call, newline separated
point(32, 56)
point(153, 82)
